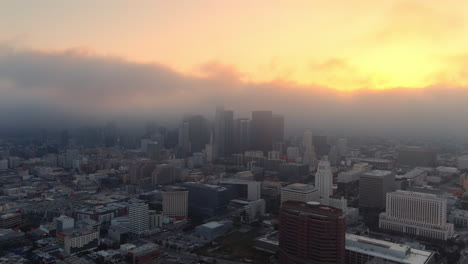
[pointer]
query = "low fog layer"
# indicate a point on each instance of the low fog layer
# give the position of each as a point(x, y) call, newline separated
point(75, 87)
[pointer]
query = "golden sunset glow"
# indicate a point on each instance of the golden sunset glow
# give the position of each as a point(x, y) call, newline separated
point(342, 45)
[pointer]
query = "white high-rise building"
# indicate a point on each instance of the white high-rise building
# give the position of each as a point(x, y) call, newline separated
point(299, 192)
point(175, 202)
point(324, 180)
point(138, 214)
point(418, 214)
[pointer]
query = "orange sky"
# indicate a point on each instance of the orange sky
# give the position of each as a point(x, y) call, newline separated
point(343, 45)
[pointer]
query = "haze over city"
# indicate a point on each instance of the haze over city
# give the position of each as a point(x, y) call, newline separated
point(233, 132)
point(391, 66)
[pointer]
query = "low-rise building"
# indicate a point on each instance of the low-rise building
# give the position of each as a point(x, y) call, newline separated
point(82, 239)
point(361, 250)
point(213, 229)
point(459, 218)
point(144, 254)
point(10, 220)
point(299, 192)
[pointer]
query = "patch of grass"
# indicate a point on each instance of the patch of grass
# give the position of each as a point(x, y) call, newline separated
point(236, 246)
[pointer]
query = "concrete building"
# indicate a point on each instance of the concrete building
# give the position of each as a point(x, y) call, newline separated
point(459, 217)
point(175, 202)
point(262, 130)
point(213, 229)
point(64, 223)
point(376, 163)
point(152, 150)
point(417, 214)
point(299, 192)
point(3, 164)
point(462, 162)
point(415, 177)
point(138, 214)
point(253, 210)
point(155, 219)
point(361, 250)
point(293, 172)
point(311, 233)
point(243, 189)
point(416, 157)
point(268, 243)
point(464, 181)
point(293, 154)
point(9, 238)
point(223, 132)
point(373, 188)
point(324, 180)
point(242, 135)
point(277, 126)
point(146, 253)
point(342, 145)
point(207, 199)
point(77, 240)
point(10, 220)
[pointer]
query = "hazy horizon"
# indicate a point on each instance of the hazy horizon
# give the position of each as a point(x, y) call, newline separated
point(397, 67)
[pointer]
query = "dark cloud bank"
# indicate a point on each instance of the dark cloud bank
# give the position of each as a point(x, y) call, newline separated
point(74, 87)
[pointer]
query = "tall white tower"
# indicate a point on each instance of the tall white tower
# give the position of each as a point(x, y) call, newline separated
point(324, 180)
point(138, 214)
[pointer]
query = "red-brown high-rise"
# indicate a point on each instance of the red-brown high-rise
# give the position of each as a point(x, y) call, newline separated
point(311, 233)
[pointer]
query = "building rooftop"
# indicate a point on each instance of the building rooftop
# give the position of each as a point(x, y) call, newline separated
point(205, 186)
point(387, 250)
point(300, 187)
point(213, 225)
point(144, 248)
point(414, 173)
point(377, 173)
point(417, 194)
point(314, 208)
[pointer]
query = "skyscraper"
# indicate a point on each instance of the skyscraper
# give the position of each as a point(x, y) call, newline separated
point(321, 145)
point(262, 130)
point(415, 156)
point(152, 150)
point(324, 180)
point(278, 128)
point(307, 140)
point(242, 134)
point(138, 214)
point(309, 157)
point(373, 188)
point(311, 233)
point(195, 133)
point(342, 145)
point(224, 128)
point(184, 137)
